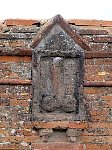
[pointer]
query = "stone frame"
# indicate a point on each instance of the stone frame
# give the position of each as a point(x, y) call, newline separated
point(37, 54)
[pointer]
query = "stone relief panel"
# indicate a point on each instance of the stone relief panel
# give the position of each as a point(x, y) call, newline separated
point(57, 74)
point(57, 77)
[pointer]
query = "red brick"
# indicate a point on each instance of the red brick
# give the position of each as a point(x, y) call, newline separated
point(92, 32)
point(87, 39)
point(20, 139)
point(14, 59)
point(6, 95)
point(15, 82)
point(80, 125)
point(12, 22)
point(98, 54)
point(9, 147)
point(110, 146)
point(58, 146)
point(100, 125)
point(18, 51)
point(4, 132)
point(100, 47)
point(3, 124)
point(99, 112)
point(106, 98)
point(101, 118)
point(62, 124)
point(96, 139)
point(91, 69)
point(106, 23)
point(73, 146)
point(19, 103)
point(97, 147)
point(28, 125)
point(92, 90)
point(54, 124)
point(102, 39)
point(97, 132)
point(89, 62)
point(17, 43)
point(107, 104)
point(85, 22)
point(26, 132)
point(94, 78)
point(104, 61)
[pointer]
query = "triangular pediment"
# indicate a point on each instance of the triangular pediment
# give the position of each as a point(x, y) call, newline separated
point(57, 34)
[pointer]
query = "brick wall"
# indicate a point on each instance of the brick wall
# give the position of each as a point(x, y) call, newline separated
point(17, 131)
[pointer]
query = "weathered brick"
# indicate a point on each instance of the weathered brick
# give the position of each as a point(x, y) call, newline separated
point(87, 38)
point(92, 32)
point(97, 146)
point(58, 146)
point(104, 61)
point(98, 54)
point(16, 91)
point(3, 132)
point(89, 77)
point(100, 125)
point(107, 97)
point(4, 102)
point(96, 139)
point(106, 23)
point(9, 146)
point(101, 118)
point(14, 36)
point(102, 91)
point(23, 29)
point(25, 132)
point(107, 104)
point(99, 112)
point(19, 103)
point(92, 90)
point(91, 69)
point(85, 22)
point(100, 46)
point(17, 131)
point(20, 139)
point(97, 131)
point(74, 132)
point(110, 146)
point(12, 22)
point(14, 59)
point(44, 132)
point(102, 39)
point(18, 51)
point(59, 124)
point(14, 43)
point(89, 62)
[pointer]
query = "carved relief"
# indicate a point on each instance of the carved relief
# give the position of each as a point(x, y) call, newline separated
point(57, 77)
point(57, 71)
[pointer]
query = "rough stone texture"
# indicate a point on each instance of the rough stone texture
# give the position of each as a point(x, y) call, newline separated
point(74, 132)
point(15, 70)
point(16, 130)
point(59, 41)
point(57, 81)
point(44, 132)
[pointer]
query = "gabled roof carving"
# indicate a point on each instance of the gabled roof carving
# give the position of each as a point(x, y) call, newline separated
point(58, 19)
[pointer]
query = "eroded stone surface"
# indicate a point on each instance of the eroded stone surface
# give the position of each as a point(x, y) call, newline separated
point(57, 74)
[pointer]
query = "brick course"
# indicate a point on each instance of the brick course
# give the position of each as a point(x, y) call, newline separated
point(17, 130)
